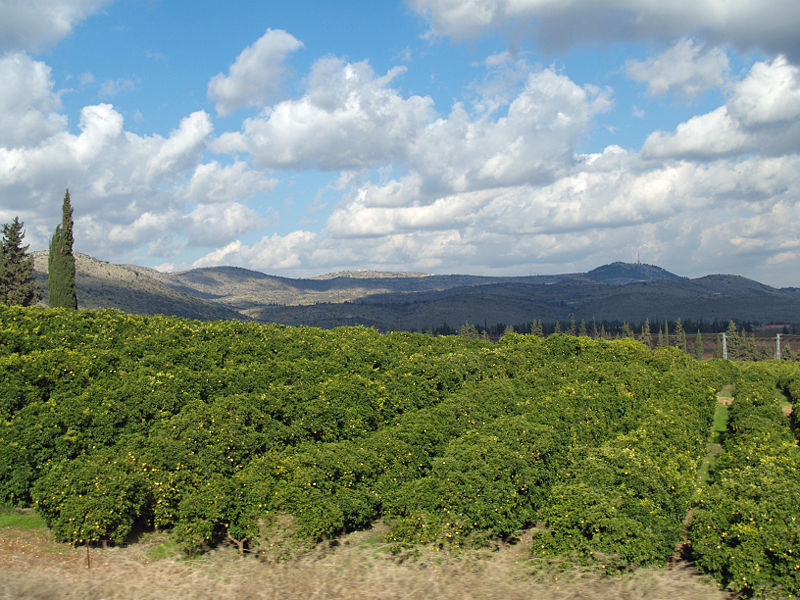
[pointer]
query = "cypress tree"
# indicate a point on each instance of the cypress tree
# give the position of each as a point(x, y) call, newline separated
point(61, 262)
point(17, 285)
point(680, 335)
point(698, 346)
point(582, 331)
point(537, 328)
point(733, 341)
point(718, 347)
point(647, 338)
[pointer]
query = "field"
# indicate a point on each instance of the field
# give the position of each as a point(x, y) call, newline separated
point(382, 462)
point(37, 568)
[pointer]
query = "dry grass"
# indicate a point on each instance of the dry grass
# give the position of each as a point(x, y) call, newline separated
point(35, 568)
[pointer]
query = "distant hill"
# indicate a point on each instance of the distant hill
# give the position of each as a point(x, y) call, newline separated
point(104, 285)
point(416, 301)
point(620, 273)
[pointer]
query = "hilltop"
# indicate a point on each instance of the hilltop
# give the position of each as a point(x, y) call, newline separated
point(415, 301)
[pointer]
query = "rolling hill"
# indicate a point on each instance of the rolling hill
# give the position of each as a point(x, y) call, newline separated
point(417, 301)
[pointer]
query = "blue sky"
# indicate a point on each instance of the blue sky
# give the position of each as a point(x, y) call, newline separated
point(441, 136)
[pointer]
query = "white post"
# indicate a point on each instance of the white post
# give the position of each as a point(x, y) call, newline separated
point(777, 346)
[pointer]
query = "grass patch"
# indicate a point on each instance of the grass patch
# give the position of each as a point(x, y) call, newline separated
point(719, 426)
point(163, 550)
point(21, 518)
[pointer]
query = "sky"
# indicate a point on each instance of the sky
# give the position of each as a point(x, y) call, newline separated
point(487, 137)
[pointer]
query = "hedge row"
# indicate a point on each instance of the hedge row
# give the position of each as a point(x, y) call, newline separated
point(623, 502)
point(746, 528)
point(112, 423)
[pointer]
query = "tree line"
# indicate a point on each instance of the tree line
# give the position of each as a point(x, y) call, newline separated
point(17, 284)
point(741, 338)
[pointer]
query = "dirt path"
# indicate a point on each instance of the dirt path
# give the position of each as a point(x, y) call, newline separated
point(683, 549)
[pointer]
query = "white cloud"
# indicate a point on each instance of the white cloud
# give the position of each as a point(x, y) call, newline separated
point(610, 205)
point(218, 224)
point(761, 115)
point(28, 106)
point(770, 25)
point(132, 194)
point(769, 95)
point(348, 118)
point(113, 87)
point(687, 68)
point(711, 134)
point(255, 76)
point(37, 24)
point(532, 142)
point(271, 253)
point(212, 183)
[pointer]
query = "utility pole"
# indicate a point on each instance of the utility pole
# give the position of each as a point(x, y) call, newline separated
point(777, 346)
point(724, 346)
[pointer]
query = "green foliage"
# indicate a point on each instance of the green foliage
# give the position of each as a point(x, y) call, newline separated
point(623, 502)
point(61, 262)
point(275, 437)
point(746, 527)
point(483, 485)
point(93, 499)
point(16, 268)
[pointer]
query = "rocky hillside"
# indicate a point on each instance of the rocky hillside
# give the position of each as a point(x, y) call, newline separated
point(416, 301)
point(104, 285)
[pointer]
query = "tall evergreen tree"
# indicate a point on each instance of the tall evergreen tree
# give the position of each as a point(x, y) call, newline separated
point(537, 328)
point(61, 262)
point(680, 335)
point(17, 285)
point(698, 346)
point(666, 334)
point(573, 330)
point(627, 332)
point(733, 341)
point(647, 338)
point(582, 331)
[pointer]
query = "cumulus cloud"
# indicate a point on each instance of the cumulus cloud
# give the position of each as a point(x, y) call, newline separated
point(216, 225)
point(610, 204)
point(762, 114)
point(28, 106)
point(212, 183)
point(531, 141)
point(271, 253)
point(130, 191)
point(37, 24)
point(557, 24)
point(348, 118)
point(687, 68)
point(255, 76)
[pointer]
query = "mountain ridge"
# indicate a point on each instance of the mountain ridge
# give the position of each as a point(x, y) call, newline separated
point(416, 301)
